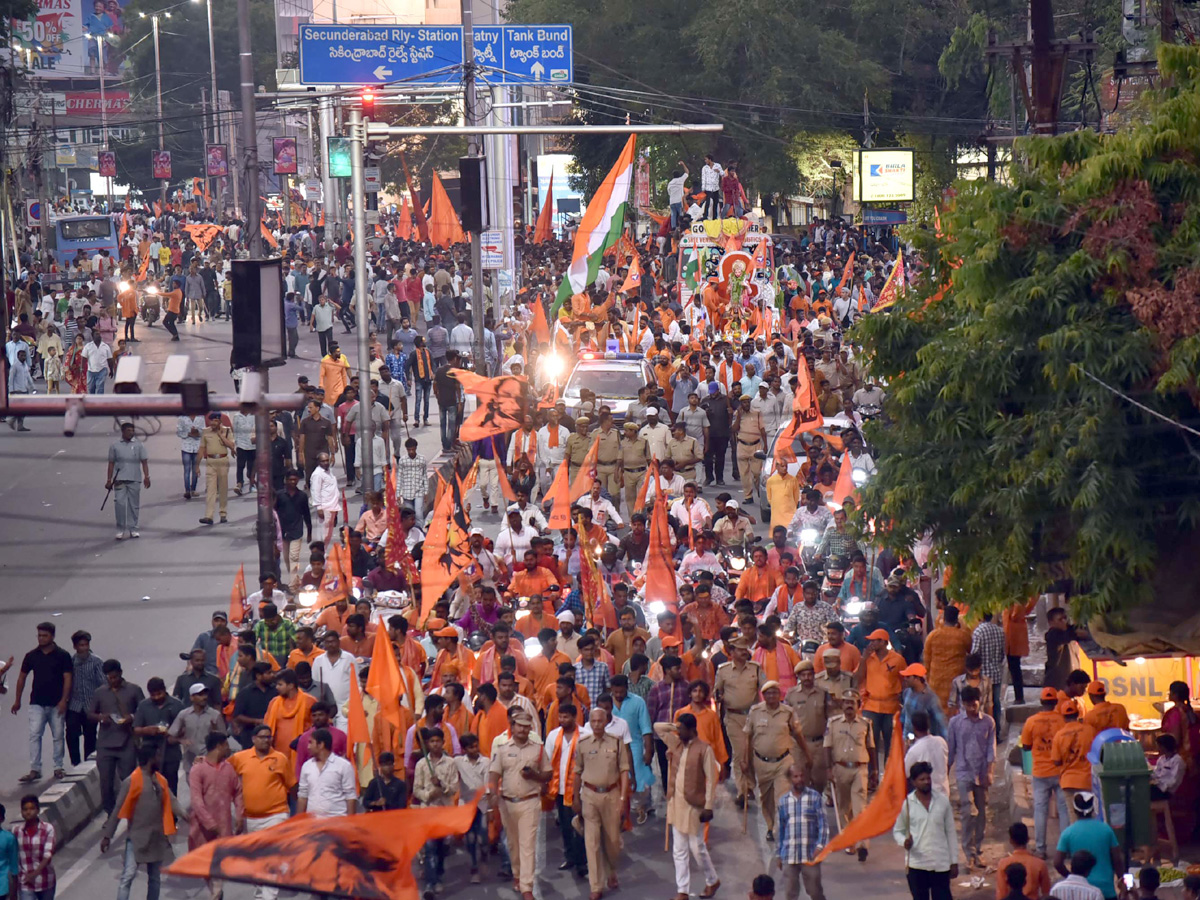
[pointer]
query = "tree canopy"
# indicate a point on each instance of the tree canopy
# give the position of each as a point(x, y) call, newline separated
point(1041, 379)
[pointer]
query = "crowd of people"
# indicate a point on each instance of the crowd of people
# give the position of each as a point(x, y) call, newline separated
point(794, 644)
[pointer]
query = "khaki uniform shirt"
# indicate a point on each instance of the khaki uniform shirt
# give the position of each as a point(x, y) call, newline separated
point(770, 731)
point(834, 687)
point(610, 447)
point(577, 448)
point(601, 760)
point(811, 706)
point(739, 689)
point(851, 742)
point(634, 454)
point(213, 447)
point(750, 427)
point(507, 761)
point(684, 453)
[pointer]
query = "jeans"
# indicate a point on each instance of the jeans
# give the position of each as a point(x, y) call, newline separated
point(881, 725)
point(169, 321)
point(39, 718)
point(95, 381)
point(714, 459)
point(712, 204)
point(26, 894)
point(293, 340)
point(449, 423)
point(78, 727)
point(972, 813)
point(1018, 681)
point(129, 872)
point(794, 873)
point(676, 213)
point(129, 328)
point(421, 405)
point(997, 708)
point(574, 851)
point(1044, 787)
point(926, 885)
point(435, 862)
point(245, 462)
point(191, 471)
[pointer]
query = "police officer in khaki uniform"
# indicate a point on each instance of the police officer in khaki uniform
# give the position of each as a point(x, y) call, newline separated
point(751, 438)
point(850, 755)
point(518, 770)
point(634, 455)
point(578, 446)
point(685, 452)
point(216, 447)
point(812, 706)
point(833, 680)
point(771, 727)
point(737, 685)
point(608, 457)
point(601, 787)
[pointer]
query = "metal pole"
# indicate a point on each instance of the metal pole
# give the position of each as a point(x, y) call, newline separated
point(250, 148)
point(216, 118)
point(325, 121)
point(358, 189)
point(158, 99)
point(383, 130)
point(474, 149)
point(104, 122)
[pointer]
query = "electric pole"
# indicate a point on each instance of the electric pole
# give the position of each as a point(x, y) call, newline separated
point(358, 190)
point(474, 151)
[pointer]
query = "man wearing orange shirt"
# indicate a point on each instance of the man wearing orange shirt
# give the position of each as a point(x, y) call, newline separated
point(289, 714)
point(1069, 749)
point(1037, 873)
point(355, 641)
point(531, 578)
point(446, 639)
point(620, 642)
point(542, 669)
point(305, 650)
point(1016, 643)
point(534, 617)
point(1104, 713)
point(879, 681)
point(759, 581)
point(487, 664)
point(706, 617)
point(777, 659)
point(1037, 736)
point(334, 617)
point(267, 781)
point(835, 639)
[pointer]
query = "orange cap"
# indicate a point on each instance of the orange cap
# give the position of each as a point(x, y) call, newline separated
point(1097, 687)
point(879, 635)
point(448, 631)
point(915, 669)
point(1049, 693)
point(1067, 708)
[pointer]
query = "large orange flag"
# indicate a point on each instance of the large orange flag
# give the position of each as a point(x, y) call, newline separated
point(659, 566)
point(587, 471)
point(806, 416)
point(444, 555)
point(444, 227)
point(502, 404)
point(366, 857)
point(847, 271)
point(544, 230)
point(560, 496)
point(383, 680)
point(418, 210)
point(633, 281)
point(337, 581)
point(357, 730)
point(237, 597)
point(845, 481)
point(539, 326)
point(893, 287)
point(506, 487)
point(880, 814)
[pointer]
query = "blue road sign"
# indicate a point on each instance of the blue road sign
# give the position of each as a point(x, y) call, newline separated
point(525, 54)
point(380, 54)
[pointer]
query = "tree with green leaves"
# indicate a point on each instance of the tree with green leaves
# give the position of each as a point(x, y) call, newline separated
point(1042, 379)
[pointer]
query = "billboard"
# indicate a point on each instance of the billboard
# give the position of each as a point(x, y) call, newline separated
point(63, 33)
point(283, 151)
point(160, 162)
point(884, 176)
point(107, 161)
point(216, 160)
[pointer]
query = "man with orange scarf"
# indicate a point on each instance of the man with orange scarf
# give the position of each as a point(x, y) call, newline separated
point(149, 810)
point(777, 658)
point(289, 714)
point(560, 744)
point(487, 664)
point(708, 724)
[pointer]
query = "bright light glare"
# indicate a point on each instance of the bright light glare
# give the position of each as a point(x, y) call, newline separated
point(808, 537)
point(737, 563)
point(532, 648)
point(123, 286)
point(153, 289)
point(554, 365)
point(657, 607)
point(858, 476)
point(307, 599)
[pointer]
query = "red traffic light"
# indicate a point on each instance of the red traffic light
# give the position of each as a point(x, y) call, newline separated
point(368, 103)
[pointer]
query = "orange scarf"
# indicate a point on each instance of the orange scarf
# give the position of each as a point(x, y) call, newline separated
point(525, 445)
point(136, 783)
point(785, 600)
point(422, 364)
point(489, 725)
point(553, 430)
point(568, 790)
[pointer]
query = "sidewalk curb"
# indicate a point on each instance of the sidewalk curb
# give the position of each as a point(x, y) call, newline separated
point(71, 803)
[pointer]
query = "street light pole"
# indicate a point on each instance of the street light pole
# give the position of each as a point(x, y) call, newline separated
point(471, 115)
point(104, 125)
point(158, 95)
point(358, 190)
point(212, 71)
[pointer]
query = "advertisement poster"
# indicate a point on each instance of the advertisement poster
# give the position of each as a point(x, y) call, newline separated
point(107, 163)
point(160, 162)
point(63, 36)
point(884, 176)
point(216, 160)
point(283, 149)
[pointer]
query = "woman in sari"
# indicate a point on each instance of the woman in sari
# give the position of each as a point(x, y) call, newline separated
point(1182, 723)
point(75, 367)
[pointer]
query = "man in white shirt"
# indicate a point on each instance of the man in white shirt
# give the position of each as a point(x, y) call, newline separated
point(710, 183)
point(691, 506)
point(514, 539)
point(529, 514)
point(328, 786)
point(334, 668)
point(928, 748)
point(670, 483)
point(925, 829)
point(551, 450)
point(675, 188)
point(656, 435)
point(871, 395)
point(97, 353)
point(603, 511)
point(324, 496)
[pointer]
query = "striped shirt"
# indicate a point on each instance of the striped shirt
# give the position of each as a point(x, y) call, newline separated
point(1076, 887)
point(88, 676)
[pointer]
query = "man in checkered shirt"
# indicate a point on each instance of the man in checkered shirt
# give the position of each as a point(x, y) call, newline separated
point(590, 671)
point(412, 479)
point(988, 642)
point(802, 832)
point(35, 848)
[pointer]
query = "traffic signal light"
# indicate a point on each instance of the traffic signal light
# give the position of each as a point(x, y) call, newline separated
point(368, 103)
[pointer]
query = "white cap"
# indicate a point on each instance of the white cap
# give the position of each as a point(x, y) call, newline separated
point(475, 531)
point(197, 688)
point(732, 504)
point(652, 411)
point(566, 616)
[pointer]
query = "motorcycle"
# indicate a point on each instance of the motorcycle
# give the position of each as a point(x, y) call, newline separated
point(835, 573)
point(151, 305)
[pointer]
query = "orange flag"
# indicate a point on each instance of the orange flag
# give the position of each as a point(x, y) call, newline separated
point(893, 287)
point(651, 472)
point(539, 325)
point(633, 281)
point(560, 496)
point(237, 598)
point(267, 236)
point(335, 583)
point(357, 731)
point(544, 230)
point(506, 487)
point(659, 566)
point(444, 555)
point(845, 481)
point(444, 227)
point(806, 416)
point(587, 471)
point(141, 275)
point(418, 210)
point(501, 407)
point(368, 857)
point(383, 680)
point(881, 813)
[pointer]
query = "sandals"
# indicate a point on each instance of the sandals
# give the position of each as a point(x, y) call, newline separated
point(35, 775)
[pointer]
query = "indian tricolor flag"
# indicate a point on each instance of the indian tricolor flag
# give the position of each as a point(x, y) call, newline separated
point(600, 228)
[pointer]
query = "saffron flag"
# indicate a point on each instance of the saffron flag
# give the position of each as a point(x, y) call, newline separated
point(237, 598)
point(396, 548)
point(365, 857)
point(141, 275)
point(544, 230)
point(445, 554)
point(506, 487)
point(651, 472)
point(806, 416)
point(846, 273)
point(357, 731)
point(845, 482)
point(598, 612)
point(893, 287)
point(659, 566)
point(267, 236)
point(383, 679)
point(587, 471)
point(503, 402)
point(444, 227)
point(601, 227)
point(539, 326)
point(203, 234)
point(560, 497)
point(418, 210)
point(336, 582)
point(633, 281)
point(881, 813)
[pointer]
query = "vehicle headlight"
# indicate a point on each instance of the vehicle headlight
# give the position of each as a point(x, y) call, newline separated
point(152, 290)
point(554, 365)
point(737, 563)
point(854, 606)
point(808, 537)
point(533, 648)
point(307, 598)
point(656, 608)
point(858, 476)
point(123, 286)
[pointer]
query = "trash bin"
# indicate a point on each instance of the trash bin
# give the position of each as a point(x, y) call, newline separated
point(1123, 780)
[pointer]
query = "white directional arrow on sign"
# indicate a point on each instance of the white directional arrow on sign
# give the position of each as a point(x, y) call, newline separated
point(537, 69)
point(381, 73)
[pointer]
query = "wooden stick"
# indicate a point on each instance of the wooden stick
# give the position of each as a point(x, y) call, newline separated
point(666, 835)
point(745, 811)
